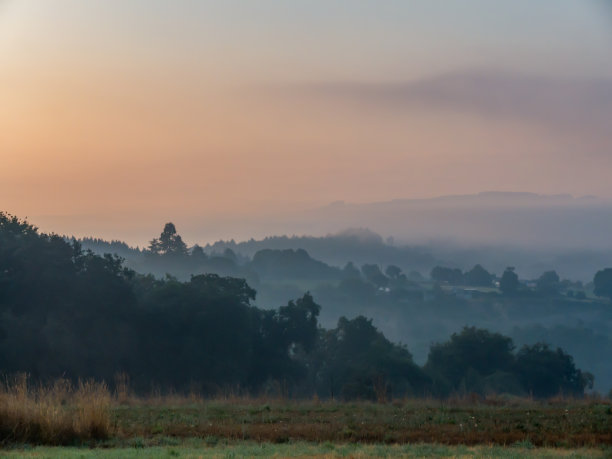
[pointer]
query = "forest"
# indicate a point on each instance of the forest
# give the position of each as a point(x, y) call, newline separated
point(412, 296)
point(68, 312)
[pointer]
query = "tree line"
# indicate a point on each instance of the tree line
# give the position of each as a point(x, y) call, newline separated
point(548, 284)
point(67, 312)
point(169, 253)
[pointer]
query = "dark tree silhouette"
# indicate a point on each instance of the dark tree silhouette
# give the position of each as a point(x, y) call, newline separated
point(473, 351)
point(168, 243)
point(548, 283)
point(478, 276)
point(355, 360)
point(509, 281)
point(545, 372)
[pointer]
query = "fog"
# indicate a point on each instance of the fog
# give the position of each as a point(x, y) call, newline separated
point(500, 218)
point(332, 251)
point(529, 231)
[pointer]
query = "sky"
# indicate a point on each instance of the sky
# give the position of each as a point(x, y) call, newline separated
point(116, 116)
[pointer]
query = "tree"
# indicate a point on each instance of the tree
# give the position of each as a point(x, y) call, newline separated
point(284, 337)
point(299, 321)
point(356, 360)
point(467, 357)
point(168, 243)
point(548, 283)
point(603, 283)
point(478, 276)
point(545, 372)
point(509, 282)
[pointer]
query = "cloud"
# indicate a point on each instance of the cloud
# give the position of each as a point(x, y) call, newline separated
point(559, 103)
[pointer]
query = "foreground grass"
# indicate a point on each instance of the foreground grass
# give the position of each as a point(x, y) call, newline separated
point(56, 414)
point(87, 414)
point(568, 424)
point(199, 449)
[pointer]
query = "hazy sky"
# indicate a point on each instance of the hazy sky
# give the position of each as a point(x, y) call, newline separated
point(149, 111)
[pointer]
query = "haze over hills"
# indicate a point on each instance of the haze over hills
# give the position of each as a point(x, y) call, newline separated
point(344, 273)
point(499, 218)
point(530, 231)
point(490, 218)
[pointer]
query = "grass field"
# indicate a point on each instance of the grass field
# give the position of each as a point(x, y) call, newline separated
point(86, 420)
point(197, 448)
point(555, 423)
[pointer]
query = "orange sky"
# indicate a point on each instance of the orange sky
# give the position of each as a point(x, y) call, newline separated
point(160, 111)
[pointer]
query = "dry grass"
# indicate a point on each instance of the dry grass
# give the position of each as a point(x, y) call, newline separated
point(503, 421)
point(58, 414)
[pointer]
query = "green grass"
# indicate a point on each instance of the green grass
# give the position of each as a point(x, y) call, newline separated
point(198, 448)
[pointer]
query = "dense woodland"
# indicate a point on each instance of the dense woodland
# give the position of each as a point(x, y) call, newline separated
point(66, 311)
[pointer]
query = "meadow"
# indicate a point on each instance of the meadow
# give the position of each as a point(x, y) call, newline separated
point(87, 419)
point(198, 449)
